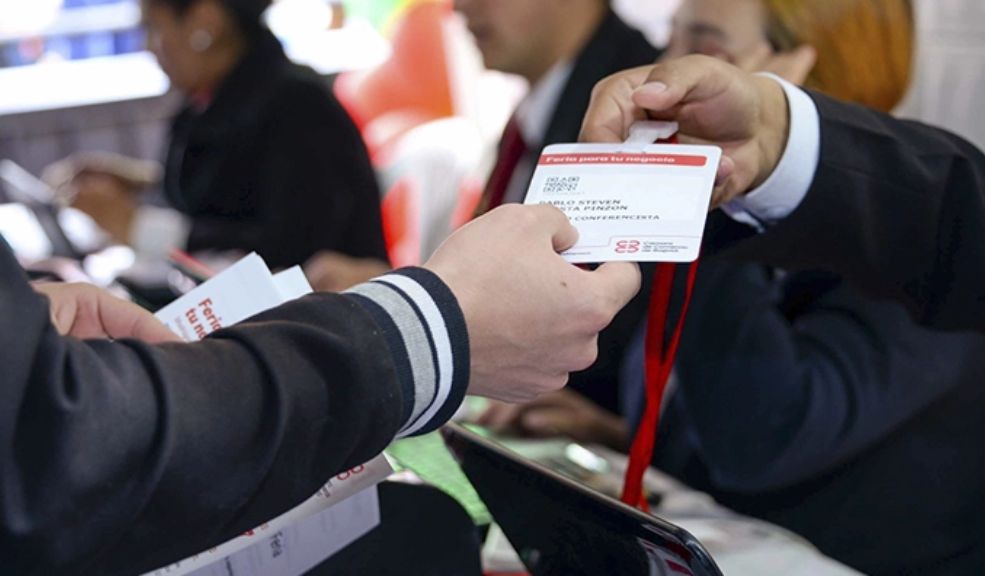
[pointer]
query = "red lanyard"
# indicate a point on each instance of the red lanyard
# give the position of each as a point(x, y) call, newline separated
point(659, 363)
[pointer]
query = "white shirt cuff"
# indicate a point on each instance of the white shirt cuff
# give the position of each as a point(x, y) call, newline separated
point(787, 186)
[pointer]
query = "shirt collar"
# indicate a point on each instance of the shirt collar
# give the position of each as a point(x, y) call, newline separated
point(535, 111)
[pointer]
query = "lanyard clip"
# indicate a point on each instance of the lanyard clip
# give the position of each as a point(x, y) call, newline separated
point(646, 132)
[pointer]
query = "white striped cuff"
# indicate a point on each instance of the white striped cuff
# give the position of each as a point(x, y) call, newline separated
point(427, 336)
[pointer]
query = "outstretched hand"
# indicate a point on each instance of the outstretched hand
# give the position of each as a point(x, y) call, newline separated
point(713, 102)
point(532, 317)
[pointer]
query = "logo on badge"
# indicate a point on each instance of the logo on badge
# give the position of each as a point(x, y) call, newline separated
point(627, 246)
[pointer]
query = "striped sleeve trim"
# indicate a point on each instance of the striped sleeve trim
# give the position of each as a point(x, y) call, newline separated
point(430, 344)
point(395, 342)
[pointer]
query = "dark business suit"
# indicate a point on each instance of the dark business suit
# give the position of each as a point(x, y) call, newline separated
point(896, 207)
point(120, 457)
point(274, 165)
point(808, 405)
point(613, 47)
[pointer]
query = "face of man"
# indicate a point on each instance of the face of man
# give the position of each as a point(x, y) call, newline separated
point(515, 36)
point(733, 30)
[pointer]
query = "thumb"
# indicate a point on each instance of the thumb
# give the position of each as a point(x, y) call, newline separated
point(610, 112)
point(674, 83)
point(149, 329)
point(549, 218)
point(122, 319)
point(564, 237)
point(618, 283)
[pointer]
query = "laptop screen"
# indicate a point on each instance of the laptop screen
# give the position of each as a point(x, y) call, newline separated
point(560, 527)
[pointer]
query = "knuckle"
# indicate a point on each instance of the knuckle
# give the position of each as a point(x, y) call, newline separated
point(548, 383)
point(596, 312)
point(517, 215)
point(604, 84)
point(585, 357)
point(599, 318)
point(559, 382)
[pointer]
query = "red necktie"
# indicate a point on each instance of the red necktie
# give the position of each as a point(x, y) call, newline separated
point(511, 150)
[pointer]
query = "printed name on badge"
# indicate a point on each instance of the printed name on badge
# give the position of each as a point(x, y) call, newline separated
point(629, 203)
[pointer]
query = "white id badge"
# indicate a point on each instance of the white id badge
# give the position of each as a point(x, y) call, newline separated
point(630, 202)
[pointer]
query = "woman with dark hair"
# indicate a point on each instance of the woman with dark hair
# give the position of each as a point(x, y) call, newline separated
point(262, 157)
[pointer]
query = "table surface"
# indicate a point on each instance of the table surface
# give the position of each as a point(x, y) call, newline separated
point(739, 544)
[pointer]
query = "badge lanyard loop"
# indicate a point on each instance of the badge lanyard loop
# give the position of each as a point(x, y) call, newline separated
point(659, 363)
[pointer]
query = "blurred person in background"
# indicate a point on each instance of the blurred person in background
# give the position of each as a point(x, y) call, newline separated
point(562, 48)
point(261, 157)
point(797, 399)
point(860, 52)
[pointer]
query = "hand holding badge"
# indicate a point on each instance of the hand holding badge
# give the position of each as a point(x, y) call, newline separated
point(638, 202)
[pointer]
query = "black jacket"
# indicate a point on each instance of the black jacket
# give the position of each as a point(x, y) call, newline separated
point(274, 165)
point(120, 457)
point(808, 405)
point(896, 207)
point(614, 47)
point(829, 412)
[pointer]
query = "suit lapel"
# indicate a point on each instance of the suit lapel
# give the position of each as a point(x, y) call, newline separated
point(614, 47)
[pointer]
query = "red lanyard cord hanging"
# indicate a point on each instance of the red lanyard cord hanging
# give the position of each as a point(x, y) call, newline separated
point(659, 363)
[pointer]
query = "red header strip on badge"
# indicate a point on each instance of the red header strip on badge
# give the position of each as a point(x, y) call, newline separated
point(659, 363)
point(627, 158)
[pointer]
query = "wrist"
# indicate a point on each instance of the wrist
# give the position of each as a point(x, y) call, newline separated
point(426, 337)
point(774, 126)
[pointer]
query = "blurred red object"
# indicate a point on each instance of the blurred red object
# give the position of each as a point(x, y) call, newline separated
point(393, 105)
point(412, 87)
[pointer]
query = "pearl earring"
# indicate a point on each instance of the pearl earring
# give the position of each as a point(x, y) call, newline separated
point(200, 40)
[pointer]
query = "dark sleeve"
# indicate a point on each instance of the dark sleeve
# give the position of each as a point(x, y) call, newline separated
point(774, 401)
point(120, 457)
point(315, 187)
point(896, 207)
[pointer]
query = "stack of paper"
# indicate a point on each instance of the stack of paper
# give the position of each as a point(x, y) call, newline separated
point(346, 508)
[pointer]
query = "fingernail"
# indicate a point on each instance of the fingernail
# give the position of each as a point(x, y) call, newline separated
point(651, 89)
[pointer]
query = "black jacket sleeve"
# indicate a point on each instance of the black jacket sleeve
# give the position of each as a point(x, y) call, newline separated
point(314, 186)
point(898, 208)
point(777, 395)
point(120, 457)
